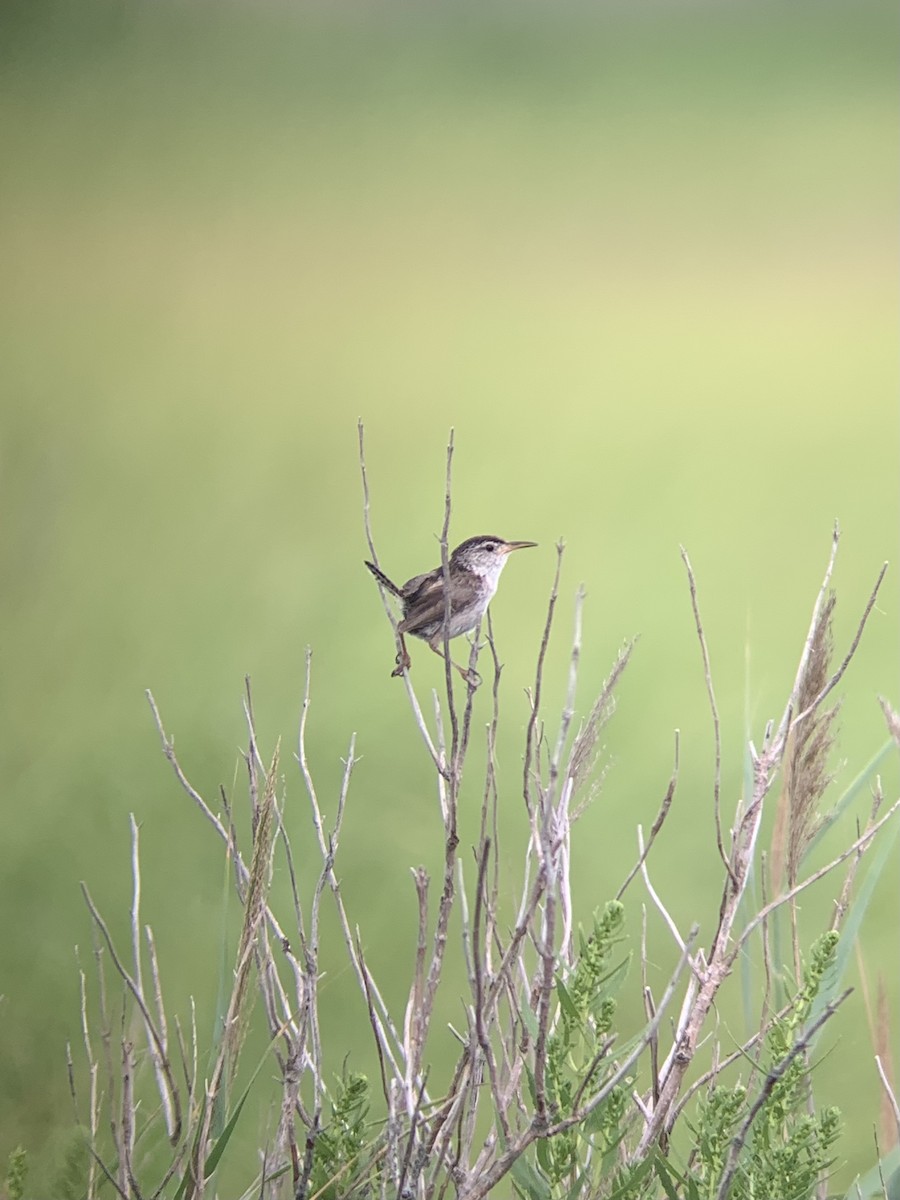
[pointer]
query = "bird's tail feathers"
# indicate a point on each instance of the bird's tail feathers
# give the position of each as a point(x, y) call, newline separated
point(384, 581)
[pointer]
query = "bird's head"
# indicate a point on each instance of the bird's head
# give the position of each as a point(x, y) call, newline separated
point(485, 555)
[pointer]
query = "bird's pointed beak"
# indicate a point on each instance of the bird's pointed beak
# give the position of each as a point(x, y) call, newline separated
point(508, 547)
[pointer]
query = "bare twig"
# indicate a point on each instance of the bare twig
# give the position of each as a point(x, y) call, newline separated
point(890, 1095)
point(448, 597)
point(139, 999)
point(390, 1041)
point(723, 950)
point(410, 691)
point(710, 691)
point(503, 1097)
point(538, 680)
point(860, 843)
point(654, 895)
point(657, 824)
point(838, 675)
point(892, 718)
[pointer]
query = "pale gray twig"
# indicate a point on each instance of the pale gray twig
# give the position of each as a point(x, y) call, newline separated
point(714, 710)
point(657, 824)
point(889, 1093)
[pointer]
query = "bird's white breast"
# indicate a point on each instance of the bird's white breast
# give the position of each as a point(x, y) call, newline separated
point(491, 574)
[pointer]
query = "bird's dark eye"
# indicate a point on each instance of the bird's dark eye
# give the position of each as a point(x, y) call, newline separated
point(491, 546)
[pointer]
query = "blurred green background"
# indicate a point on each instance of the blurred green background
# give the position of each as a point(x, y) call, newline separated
point(641, 257)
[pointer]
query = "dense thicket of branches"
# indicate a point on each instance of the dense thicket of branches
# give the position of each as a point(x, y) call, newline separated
point(548, 1096)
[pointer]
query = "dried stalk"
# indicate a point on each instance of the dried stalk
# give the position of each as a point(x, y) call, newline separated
point(719, 960)
point(470, 1138)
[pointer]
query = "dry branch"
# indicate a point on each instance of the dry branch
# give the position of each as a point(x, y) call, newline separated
point(502, 1101)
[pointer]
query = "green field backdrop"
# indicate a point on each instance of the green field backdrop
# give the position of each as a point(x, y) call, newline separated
point(642, 258)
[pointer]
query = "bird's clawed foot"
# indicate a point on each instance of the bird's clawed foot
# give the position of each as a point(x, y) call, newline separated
point(470, 676)
point(403, 664)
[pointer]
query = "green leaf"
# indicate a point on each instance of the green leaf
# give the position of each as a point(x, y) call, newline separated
point(849, 795)
point(221, 1142)
point(181, 1190)
point(566, 1002)
point(613, 979)
point(529, 1019)
point(872, 1183)
point(831, 983)
point(545, 1161)
point(531, 1182)
point(223, 997)
point(598, 1118)
point(662, 1173)
point(595, 1120)
point(634, 1177)
point(575, 1191)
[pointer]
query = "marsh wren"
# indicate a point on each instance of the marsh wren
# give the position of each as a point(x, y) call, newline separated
point(473, 573)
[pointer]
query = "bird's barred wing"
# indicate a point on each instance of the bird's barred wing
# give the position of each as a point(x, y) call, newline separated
point(423, 601)
point(420, 585)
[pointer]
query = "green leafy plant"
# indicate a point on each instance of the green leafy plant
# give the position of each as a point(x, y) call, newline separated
point(784, 1149)
point(341, 1153)
point(16, 1174)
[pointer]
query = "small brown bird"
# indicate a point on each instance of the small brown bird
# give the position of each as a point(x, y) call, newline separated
point(474, 571)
